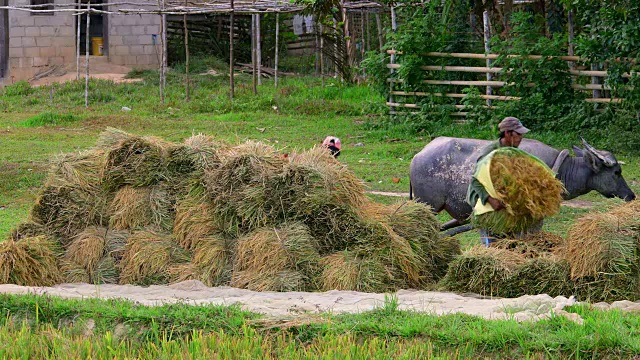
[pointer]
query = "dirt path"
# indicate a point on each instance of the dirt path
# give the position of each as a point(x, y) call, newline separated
point(292, 304)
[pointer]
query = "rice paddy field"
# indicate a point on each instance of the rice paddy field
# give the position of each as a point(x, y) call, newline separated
point(39, 124)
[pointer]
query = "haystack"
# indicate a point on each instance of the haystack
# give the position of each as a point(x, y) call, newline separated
point(137, 207)
point(82, 169)
point(602, 243)
point(87, 249)
point(484, 271)
point(67, 210)
point(526, 186)
point(195, 218)
point(31, 261)
point(27, 229)
point(211, 263)
point(197, 153)
point(136, 161)
point(346, 270)
point(541, 275)
point(244, 168)
point(279, 253)
point(148, 256)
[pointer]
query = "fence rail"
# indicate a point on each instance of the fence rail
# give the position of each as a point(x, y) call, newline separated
point(489, 84)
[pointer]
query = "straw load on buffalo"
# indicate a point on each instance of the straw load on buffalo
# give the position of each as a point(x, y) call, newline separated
point(598, 261)
point(142, 210)
point(523, 183)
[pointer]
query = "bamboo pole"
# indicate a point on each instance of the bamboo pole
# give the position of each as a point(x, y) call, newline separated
point(322, 54)
point(161, 6)
point(394, 27)
point(259, 49)
point(571, 39)
point(231, 79)
point(165, 52)
point(368, 28)
point(277, 52)
point(379, 28)
point(186, 54)
point(86, 67)
point(490, 56)
point(454, 95)
point(317, 50)
point(362, 37)
point(487, 50)
point(496, 70)
point(254, 69)
point(335, 49)
point(79, 21)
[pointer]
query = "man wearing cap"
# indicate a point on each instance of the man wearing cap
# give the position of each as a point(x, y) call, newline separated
point(511, 133)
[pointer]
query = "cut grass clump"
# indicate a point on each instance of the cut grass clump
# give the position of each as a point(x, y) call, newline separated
point(49, 119)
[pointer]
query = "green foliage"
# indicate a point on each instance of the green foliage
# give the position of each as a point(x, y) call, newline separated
point(21, 88)
point(49, 119)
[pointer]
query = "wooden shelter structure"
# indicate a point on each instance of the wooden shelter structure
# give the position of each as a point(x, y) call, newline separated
point(185, 8)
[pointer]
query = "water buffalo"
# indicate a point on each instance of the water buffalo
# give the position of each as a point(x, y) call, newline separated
point(440, 174)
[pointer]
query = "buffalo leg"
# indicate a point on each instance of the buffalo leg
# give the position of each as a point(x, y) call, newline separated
point(450, 224)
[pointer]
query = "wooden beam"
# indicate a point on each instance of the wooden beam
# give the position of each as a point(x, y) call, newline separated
point(495, 70)
point(455, 95)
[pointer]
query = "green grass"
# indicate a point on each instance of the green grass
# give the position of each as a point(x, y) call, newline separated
point(37, 327)
point(299, 114)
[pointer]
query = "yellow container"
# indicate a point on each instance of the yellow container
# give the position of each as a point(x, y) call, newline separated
point(97, 46)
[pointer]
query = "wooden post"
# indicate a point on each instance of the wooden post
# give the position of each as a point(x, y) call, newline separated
point(186, 53)
point(368, 28)
point(317, 49)
point(571, 50)
point(161, 7)
point(335, 49)
point(394, 27)
point(86, 66)
point(231, 80)
point(346, 32)
point(259, 49)
point(79, 19)
point(165, 46)
point(321, 54)
point(487, 50)
point(363, 39)
point(379, 26)
point(254, 69)
point(277, 52)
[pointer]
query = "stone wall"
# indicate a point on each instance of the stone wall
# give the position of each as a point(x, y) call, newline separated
point(37, 42)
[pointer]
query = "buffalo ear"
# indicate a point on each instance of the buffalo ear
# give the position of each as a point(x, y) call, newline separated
point(594, 162)
point(579, 152)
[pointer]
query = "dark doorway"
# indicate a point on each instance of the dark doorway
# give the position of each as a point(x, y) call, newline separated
point(4, 40)
point(98, 29)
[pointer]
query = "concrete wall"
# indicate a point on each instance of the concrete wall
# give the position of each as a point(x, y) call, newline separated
point(37, 42)
point(131, 41)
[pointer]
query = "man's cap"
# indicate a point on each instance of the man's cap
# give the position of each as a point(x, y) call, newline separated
point(511, 123)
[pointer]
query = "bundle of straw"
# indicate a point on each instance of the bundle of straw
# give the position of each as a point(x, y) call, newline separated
point(600, 243)
point(87, 249)
point(278, 253)
point(148, 256)
point(195, 218)
point(30, 262)
point(68, 210)
point(27, 229)
point(347, 270)
point(526, 186)
point(481, 270)
point(136, 161)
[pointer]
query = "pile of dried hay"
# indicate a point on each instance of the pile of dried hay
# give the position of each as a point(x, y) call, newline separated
point(598, 261)
point(603, 250)
point(526, 186)
point(142, 210)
